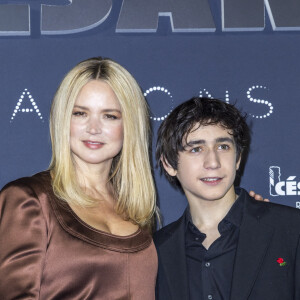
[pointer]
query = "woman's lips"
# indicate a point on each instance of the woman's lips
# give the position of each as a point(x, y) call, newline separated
point(93, 145)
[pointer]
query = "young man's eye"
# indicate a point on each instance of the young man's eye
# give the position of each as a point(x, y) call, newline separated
point(196, 150)
point(224, 147)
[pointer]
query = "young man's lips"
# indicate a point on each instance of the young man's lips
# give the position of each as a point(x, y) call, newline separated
point(211, 180)
point(93, 144)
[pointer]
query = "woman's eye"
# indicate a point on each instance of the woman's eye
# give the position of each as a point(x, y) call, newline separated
point(78, 113)
point(112, 117)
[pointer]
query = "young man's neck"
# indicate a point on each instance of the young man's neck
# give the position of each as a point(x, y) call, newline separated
point(207, 214)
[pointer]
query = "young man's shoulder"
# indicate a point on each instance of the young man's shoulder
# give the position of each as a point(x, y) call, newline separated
point(274, 214)
point(285, 213)
point(167, 231)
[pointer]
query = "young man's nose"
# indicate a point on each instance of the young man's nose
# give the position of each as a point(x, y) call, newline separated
point(212, 160)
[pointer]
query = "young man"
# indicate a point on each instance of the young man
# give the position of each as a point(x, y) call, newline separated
point(226, 245)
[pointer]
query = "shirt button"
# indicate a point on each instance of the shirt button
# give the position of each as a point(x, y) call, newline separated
point(209, 297)
point(207, 264)
point(196, 238)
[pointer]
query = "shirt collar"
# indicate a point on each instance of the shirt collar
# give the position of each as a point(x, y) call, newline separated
point(234, 216)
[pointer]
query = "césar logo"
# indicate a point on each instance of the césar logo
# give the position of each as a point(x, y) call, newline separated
point(289, 187)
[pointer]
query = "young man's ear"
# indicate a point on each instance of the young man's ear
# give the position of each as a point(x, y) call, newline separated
point(168, 168)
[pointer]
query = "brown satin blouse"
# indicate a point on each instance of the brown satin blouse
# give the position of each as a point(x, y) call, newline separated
point(47, 252)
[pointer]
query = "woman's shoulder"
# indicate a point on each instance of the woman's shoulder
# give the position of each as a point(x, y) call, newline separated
point(32, 191)
point(24, 235)
point(27, 199)
point(36, 182)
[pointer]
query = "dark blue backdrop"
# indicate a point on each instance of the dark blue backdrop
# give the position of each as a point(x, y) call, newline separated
point(259, 71)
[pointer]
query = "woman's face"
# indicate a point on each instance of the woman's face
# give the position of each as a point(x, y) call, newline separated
point(96, 131)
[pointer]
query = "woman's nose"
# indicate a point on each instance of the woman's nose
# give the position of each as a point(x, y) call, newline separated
point(94, 126)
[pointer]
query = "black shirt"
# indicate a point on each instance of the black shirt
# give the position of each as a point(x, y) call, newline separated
point(210, 271)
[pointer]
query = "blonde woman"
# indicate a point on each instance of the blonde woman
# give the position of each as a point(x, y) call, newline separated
point(81, 230)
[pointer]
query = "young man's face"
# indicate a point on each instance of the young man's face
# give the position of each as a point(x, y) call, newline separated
point(207, 169)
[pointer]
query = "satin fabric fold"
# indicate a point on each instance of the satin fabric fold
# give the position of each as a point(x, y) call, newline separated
point(47, 252)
